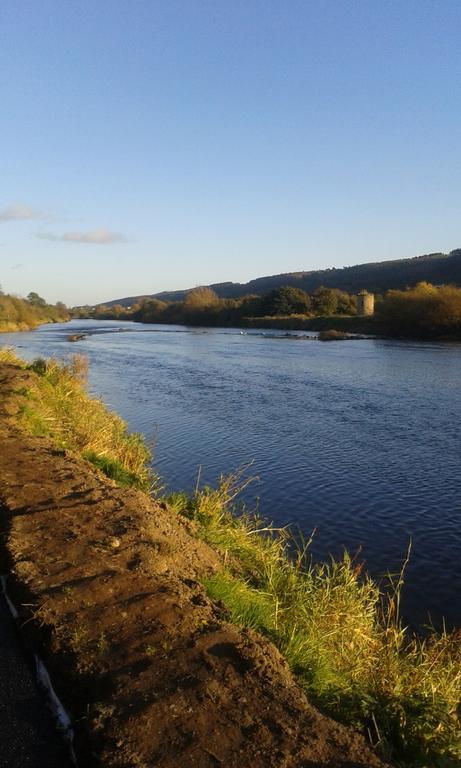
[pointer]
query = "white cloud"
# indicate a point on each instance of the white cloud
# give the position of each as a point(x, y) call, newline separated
point(19, 212)
point(95, 237)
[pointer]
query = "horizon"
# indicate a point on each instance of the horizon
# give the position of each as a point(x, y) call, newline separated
point(157, 147)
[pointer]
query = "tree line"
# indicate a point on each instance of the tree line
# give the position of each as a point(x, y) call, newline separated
point(421, 311)
point(20, 314)
point(202, 306)
point(376, 277)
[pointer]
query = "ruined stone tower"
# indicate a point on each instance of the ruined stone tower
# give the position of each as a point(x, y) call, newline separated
point(365, 303)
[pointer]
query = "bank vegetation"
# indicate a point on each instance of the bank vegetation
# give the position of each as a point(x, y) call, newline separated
point(341, 633)
point(18, 314)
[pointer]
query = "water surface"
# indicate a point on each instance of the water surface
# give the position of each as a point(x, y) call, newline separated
point(359, 439)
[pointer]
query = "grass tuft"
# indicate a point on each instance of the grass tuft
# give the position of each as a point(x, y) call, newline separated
point(115, 470)
point(338, 632)
point(57, 406)
point(8, 356)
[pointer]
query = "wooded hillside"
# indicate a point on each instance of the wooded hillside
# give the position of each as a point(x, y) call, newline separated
point(435, 268)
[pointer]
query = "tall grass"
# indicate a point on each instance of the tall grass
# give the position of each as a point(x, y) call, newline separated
point(341, 636)
point(8, 355)
point(56, 405)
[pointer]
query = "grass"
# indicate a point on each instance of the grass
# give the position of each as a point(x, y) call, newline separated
point(8, 356)
point(56, 405)
point(339, 633)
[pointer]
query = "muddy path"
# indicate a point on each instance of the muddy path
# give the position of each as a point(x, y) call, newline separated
point(108, 588)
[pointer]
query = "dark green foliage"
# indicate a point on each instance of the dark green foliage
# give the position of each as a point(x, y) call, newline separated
point(39, 366)
point(286, 301)
point(325, 301)
point(331, 301)
point(36, 300)
point(203, 307)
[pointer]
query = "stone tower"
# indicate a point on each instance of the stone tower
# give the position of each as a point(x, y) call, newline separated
point(365, 303)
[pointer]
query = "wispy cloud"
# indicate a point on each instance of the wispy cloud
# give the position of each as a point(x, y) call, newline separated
point(95, 237)
point(19, 212)
point(17, 266)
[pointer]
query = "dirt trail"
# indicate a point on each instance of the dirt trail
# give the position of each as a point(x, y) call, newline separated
point(108, 587)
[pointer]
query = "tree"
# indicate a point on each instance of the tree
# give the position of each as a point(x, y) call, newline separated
point(200, 298)
point(423, 310)
point(325, 301)
point(286, 301)
point(36, 300)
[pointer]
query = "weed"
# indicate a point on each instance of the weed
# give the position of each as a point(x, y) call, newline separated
point(101, 712)
point(78, 638)
point(8, 355)
point(102, 644)
point(338, 632)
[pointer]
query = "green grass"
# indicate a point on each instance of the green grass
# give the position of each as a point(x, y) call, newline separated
point(56, 405)
point(339, 633)
point(116, 471)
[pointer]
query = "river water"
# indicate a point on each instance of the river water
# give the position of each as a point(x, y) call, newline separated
point(359, 440)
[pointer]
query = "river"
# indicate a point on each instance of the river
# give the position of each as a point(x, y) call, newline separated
point(359, 440)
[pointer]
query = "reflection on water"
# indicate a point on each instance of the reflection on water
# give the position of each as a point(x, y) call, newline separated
point(358, 439)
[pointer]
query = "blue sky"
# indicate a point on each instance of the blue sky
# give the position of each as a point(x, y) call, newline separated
point(159, 144)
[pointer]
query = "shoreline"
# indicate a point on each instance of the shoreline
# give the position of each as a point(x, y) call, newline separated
point(148, 667)
point(355, 326)
point(10, 327)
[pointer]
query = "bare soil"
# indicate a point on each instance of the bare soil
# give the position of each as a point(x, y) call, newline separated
point(107, 584)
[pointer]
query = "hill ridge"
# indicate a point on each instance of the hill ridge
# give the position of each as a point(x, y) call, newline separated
point(373, 276)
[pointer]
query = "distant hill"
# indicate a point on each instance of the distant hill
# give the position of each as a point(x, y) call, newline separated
point(437, 268)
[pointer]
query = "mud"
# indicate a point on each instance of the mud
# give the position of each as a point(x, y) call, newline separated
point(107, 585)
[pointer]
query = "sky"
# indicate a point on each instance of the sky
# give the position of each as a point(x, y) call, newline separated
point(149, 145)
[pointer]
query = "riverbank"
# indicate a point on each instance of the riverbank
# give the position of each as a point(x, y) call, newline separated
point(108, 585)
point(356, 661)
point(423, 311)
point(13, 327)
point(343, 323)
point(26, 314)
